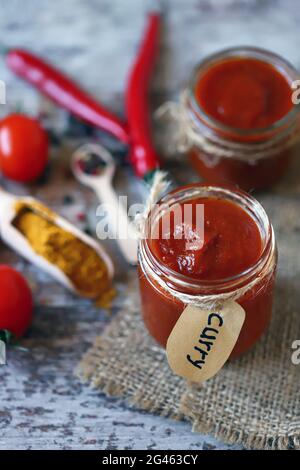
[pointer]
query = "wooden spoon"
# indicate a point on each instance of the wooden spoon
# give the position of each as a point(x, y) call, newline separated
point(18, 242)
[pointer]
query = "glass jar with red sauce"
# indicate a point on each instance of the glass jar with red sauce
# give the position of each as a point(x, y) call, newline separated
point(243, 121)
point(239, 251)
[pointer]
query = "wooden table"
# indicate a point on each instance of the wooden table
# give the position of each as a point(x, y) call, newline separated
point(42, 404)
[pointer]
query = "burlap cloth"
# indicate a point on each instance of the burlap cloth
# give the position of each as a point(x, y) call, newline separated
point(254, 400)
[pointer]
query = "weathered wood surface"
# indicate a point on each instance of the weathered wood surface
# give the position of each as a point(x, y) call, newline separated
point(42, 404)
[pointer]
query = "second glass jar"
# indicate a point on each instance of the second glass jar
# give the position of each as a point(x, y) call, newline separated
point(275, 143)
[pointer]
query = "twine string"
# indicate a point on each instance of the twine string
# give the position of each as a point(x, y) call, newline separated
point(188, 135)
point(160, 184)
point(212, 301)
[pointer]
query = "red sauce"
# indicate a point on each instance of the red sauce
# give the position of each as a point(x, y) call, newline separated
point(232, 244)
point(263, 174)
point(244, 93)
point(242, 98)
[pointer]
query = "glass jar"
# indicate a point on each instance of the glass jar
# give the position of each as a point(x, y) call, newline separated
point(161, 308)
point(250, 158)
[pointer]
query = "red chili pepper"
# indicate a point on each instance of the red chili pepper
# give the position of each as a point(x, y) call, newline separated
point(143, 155)
point(60, 89)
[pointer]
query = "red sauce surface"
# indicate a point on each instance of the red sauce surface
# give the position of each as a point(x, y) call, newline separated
point(244, 93)
point(232, 241)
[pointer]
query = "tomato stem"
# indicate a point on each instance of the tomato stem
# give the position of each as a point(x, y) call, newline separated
point(6, 336)
point(3, 50)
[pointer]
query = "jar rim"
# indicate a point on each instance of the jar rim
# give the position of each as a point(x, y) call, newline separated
point(281, 64)
point(244, 200)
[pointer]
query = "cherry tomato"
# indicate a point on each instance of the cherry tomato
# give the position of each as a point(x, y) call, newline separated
point(16, 303)
point(23, 148)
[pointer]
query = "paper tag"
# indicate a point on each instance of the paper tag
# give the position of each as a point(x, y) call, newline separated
point(202, 340)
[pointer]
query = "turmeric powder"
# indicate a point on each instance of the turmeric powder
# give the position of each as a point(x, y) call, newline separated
point(78, 261)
